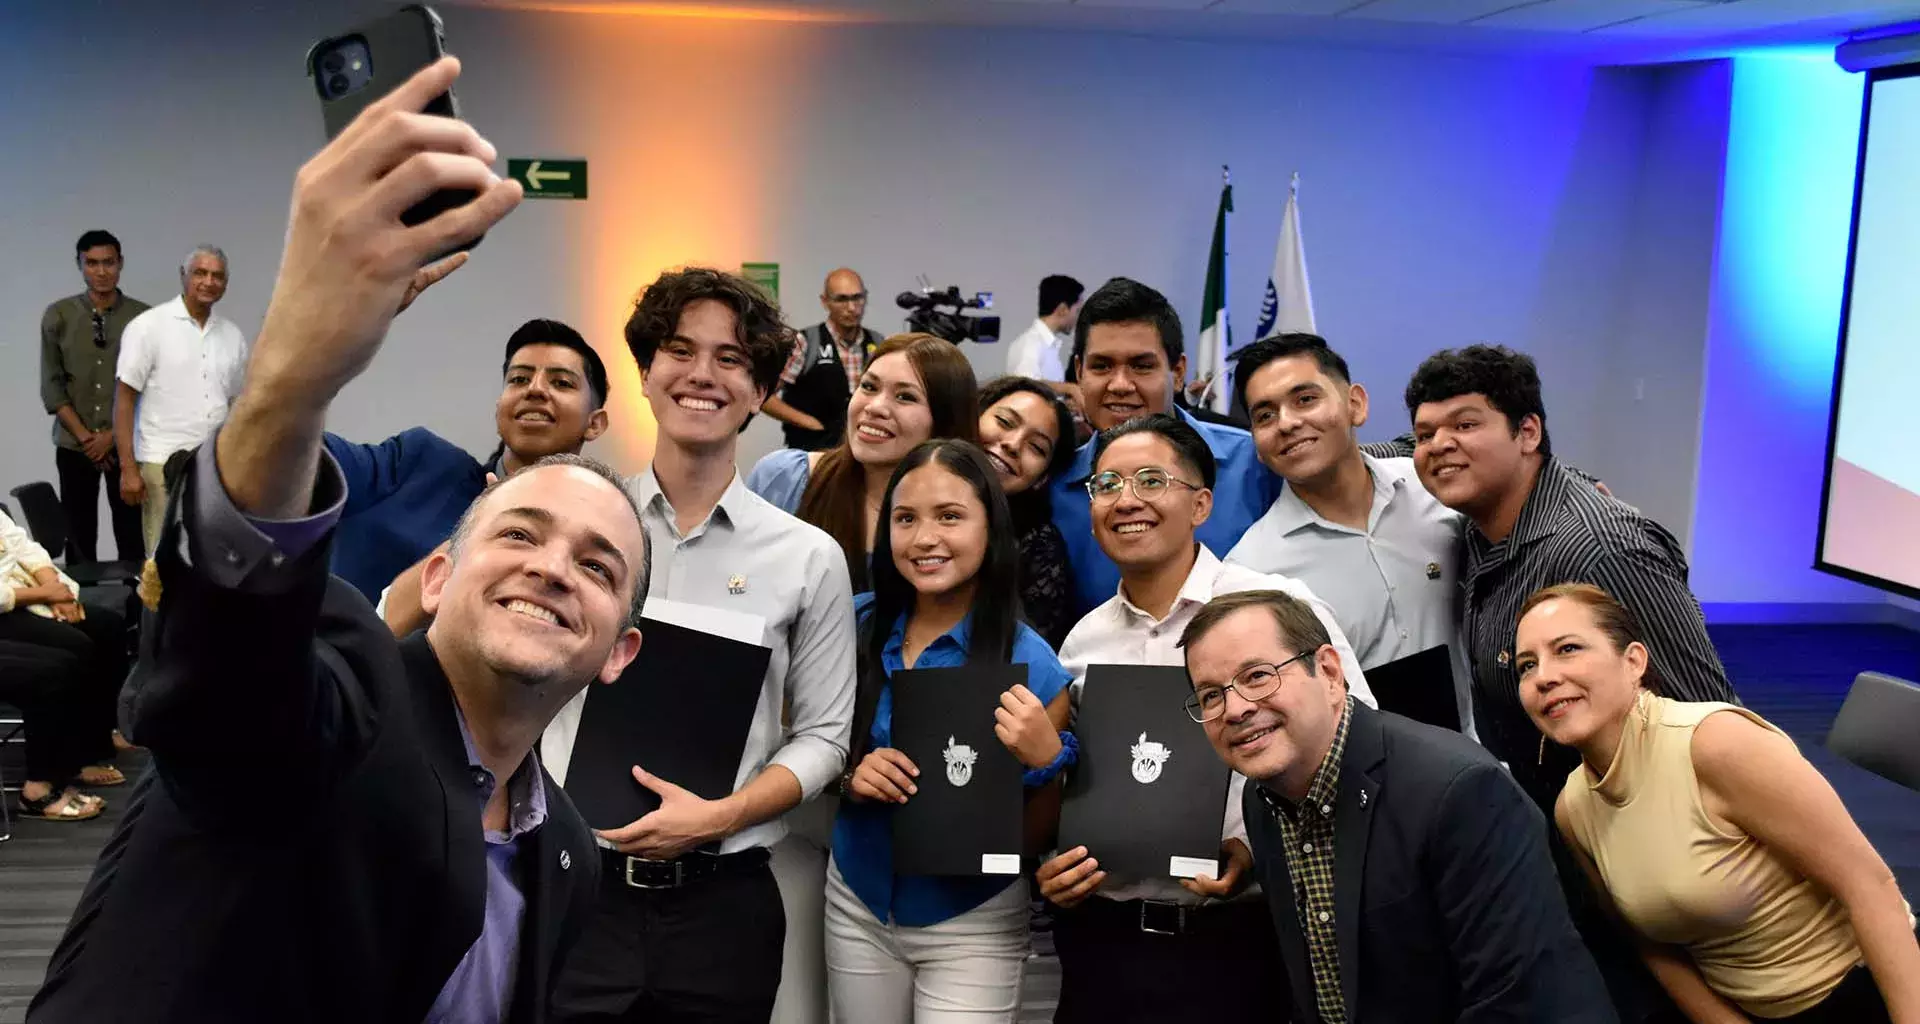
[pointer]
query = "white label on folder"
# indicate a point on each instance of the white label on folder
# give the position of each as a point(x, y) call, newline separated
point(999, 863)
point(742, 627)
point(1192, 867)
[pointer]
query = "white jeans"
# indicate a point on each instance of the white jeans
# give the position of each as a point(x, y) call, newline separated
point(800, 866)
point(965, 969)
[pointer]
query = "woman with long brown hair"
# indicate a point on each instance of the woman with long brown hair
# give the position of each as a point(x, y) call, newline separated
point(917, 387)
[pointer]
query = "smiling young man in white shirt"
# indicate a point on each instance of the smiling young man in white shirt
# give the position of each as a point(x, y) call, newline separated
point(180, 368)
point(1152, 487)
point(681, 934)
point(1360, 530)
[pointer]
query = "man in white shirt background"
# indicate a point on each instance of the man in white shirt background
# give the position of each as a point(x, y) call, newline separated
point(1151, 488)
point(180, 367)
point(1041, 350)
point(1361, 531)
point(680, 934)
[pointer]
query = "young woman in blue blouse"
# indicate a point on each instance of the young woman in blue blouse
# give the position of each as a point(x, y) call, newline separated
point(904, 948)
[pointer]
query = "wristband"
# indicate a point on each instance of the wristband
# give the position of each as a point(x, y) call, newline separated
point(1069, 753)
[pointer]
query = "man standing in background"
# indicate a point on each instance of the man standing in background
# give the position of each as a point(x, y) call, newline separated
point(1041, 350)
point(827, 361)
point(79, 348)
point(180, 367)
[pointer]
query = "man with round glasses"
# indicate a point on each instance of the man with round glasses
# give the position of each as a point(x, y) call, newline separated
point(1406, 873)
point(1151, 488)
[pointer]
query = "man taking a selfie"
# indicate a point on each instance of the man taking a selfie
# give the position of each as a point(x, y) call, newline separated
point(418, 864)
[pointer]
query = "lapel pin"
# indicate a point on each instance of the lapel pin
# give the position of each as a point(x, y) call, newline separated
point(736, 584)
point(1433, 570)
point(566, 860)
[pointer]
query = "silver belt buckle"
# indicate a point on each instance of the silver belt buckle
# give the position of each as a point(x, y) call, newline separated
point(1180, 918)
point(679, 874)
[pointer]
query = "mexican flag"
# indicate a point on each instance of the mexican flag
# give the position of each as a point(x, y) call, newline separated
point(1216, 338)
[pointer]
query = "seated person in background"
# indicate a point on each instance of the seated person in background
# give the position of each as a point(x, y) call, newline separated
point(1407, 876)
point(420, 864)
point(1152, 491)
point(916, 388)
point(905, 948)
point(61, 664)
point(405, 493)
point(1748, 884)
point(1359, 529)
point(1027, 433)
point(1129, 360)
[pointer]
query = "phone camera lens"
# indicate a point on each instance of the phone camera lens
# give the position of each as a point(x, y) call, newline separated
point(333, 63)
point(337, 85)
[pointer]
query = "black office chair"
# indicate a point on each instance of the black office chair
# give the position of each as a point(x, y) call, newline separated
point(47, 522)
point(1876, 728)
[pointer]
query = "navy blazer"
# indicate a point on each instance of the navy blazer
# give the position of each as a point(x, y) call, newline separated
point(1446, 905)
point(307, 845)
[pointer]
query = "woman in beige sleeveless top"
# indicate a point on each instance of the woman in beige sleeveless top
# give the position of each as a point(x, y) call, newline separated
point(1752, 892)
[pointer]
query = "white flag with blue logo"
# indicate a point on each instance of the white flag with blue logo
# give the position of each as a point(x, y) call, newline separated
point(1288, 304)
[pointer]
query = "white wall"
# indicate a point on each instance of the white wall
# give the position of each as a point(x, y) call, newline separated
point(1445, 199)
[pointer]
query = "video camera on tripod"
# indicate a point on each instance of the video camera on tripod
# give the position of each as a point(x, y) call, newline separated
point(945, 314)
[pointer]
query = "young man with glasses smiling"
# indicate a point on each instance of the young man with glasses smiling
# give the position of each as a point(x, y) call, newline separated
point(1151, 488)
point(1406, 873)
point(79, 348)
point(825, 367)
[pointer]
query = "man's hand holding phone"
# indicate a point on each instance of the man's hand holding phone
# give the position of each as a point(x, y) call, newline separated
point(348, 265)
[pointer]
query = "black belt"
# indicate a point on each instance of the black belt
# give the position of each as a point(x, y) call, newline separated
point(1157, 917)
point(641, 873)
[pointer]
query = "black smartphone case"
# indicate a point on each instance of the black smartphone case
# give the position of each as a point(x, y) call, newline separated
point(398, 46)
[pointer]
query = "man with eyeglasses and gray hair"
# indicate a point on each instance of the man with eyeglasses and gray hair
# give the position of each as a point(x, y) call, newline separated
point(180, 367)
point(1122, 941)
point(1406, 873)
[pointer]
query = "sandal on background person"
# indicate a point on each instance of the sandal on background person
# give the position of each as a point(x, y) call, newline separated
point(102, 775)
point(68, 805)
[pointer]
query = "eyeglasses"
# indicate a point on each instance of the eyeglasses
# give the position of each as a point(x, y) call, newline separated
point(99, 329)
point(848, 300)
point(1254, 683)
point(1149, 484)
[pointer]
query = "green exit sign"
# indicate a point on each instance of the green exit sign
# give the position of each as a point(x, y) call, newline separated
point(544, 178)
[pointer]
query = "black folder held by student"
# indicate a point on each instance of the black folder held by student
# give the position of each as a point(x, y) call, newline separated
point(681, 710)
point(1148, 796)
point(966, 817)
point(1418, 686)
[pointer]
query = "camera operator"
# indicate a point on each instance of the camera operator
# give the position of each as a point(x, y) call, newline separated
point(828, 359)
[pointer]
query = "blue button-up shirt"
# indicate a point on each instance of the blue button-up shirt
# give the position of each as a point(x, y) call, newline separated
point(404, 496)
point(1243, 490)
point(481, 988)
point(863, 832)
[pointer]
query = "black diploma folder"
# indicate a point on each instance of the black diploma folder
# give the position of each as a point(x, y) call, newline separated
point(1149, 795)
point(967, 817)
point(681, 710)
point(1418, 686)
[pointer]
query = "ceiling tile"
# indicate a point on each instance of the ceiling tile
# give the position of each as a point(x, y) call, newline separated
point(1584, 15)
point(1756, 15)
point(1158, 5)
point(1298, 8)
point(1436, 12)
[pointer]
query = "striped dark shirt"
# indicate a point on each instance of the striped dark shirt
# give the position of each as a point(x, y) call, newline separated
point(1571, 533)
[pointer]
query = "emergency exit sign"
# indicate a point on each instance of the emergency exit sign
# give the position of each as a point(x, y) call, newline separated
point(544, 178)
